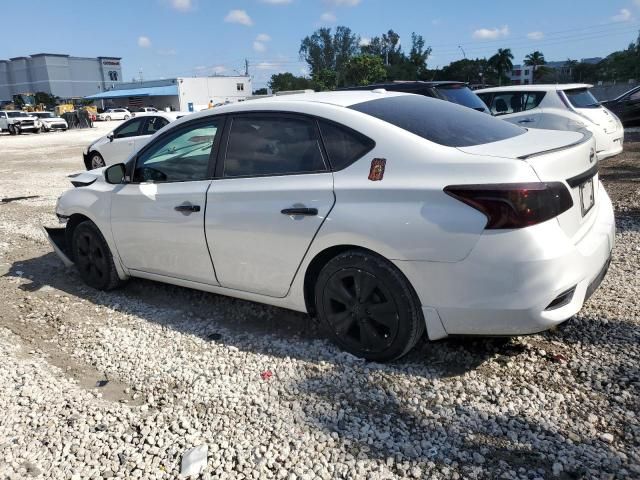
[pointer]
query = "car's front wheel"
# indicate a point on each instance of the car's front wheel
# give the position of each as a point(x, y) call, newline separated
point(93, 258)
point(127, 117)
point(368, 306)
point(108, 119)
point(12, 130)
point(96, 161)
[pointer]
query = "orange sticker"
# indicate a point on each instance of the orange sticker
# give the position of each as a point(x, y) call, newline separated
point(377, 169)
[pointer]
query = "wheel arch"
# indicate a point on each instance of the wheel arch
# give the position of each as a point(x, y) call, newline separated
point(322, 258)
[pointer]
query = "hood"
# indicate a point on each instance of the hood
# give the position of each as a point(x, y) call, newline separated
point(532, 142)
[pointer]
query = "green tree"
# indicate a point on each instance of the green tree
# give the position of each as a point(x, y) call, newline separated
point(325, 52)
point(502, 63)
point(364, 69)
point(418, 55)
point(261, 91)
point(535, 60)
point(288, 81)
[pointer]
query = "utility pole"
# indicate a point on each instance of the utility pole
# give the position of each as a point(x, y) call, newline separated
point(140, 73)
point(462, 50)
point(246, 67)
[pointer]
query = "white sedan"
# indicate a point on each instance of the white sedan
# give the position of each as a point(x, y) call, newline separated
point(384, 214)
point(115, 114)
point(117, 146)
point(558, 107)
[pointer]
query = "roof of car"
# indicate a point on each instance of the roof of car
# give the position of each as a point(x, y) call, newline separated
point(535, 88)
point(405, 85)
point(344, 98)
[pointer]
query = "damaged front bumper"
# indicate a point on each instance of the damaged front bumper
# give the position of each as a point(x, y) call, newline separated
point(57, 237)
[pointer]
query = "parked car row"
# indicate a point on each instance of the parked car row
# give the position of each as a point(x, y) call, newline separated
point(123, 113)
point(384, 214)
point(16, 122)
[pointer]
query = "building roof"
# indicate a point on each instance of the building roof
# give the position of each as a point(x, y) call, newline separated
point(136, 92)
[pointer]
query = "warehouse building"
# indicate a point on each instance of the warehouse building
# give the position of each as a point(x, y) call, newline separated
point(60, 75)
point(187, 94)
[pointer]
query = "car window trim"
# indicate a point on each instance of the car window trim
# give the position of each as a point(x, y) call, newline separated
point(130, 166)
point(219, 169)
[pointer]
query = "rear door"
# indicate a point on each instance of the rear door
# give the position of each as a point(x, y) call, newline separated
point(272, 191)
point(122, 146)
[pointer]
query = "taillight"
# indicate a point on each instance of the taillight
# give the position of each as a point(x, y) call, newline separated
point(514, 205)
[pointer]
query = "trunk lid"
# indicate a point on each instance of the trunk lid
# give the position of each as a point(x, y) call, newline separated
point(557, 156)
point(584, 103)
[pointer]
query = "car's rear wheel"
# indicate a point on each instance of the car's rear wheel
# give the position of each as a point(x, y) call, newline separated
point(93, 258)
point(108, 119)
point(127, 117)
point(368, 306)
point(96, 160)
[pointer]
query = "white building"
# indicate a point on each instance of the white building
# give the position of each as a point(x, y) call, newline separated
point(521, 75)
point(187, 94)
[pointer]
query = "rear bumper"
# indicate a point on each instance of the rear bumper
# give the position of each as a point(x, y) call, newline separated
point(509, 280)
point(609, 144)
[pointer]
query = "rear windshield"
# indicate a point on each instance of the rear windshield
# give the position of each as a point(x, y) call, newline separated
point(439, 122)
point(462, 95)
point(582, 98)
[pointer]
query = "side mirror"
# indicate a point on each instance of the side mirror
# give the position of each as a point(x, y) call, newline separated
point(114, 174)
point(110, 136)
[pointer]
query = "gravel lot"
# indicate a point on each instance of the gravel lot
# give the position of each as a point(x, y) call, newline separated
point(121, 384)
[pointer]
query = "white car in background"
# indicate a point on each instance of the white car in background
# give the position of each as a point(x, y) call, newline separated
point(557, 107)
point(384, 214)
point(117, 146)
point(50, 121)
point(144, 110)
point(115, 114)
point(16, 121)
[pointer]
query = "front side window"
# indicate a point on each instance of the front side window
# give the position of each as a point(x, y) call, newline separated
point(514, 102)
point(440, 122)
point(129, 129)
point(179, 157)
point(154, 124)
point(272, 145)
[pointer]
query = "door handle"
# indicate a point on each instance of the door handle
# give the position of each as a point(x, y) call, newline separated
point(310, 212)
point(187, 208)
point(526, 120)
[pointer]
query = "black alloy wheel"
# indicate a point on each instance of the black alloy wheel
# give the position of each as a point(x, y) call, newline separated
point(368, 306)
point(93, 258)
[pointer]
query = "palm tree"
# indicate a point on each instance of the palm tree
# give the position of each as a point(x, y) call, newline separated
point(501, 62)
point(535, 60)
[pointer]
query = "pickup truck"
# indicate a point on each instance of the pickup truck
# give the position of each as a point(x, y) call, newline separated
point(16, 122)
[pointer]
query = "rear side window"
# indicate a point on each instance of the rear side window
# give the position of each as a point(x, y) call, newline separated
point(343, 145)
point(513, 102)
point(440, 122)
point(272, 145)
point(581, 98)
point(462, 95)
point(153, 125)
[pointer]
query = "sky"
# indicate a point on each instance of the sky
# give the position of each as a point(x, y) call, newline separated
point(168, 38)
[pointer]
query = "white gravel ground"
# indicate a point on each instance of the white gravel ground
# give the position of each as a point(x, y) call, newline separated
point(264, 390)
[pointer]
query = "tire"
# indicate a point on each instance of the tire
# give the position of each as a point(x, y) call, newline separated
point(127, 117)
point(93, 258)
point(37, 130)
point(354, 285)
point(96, 161)
point(12, 130)
point(108, 119)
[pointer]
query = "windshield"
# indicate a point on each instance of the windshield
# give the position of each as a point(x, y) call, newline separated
point(462, 95)
point(441, 122)
point(17, 114)
point(43, 114)
point(582, 98)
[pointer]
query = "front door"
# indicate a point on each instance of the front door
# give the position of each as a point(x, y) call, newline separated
point(158, 219)
point(271, 194)
point(121, 147)
point(519, 108)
